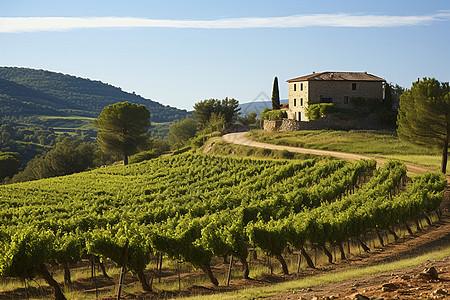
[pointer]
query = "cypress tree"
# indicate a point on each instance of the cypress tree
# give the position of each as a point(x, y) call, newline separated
point(275, 95)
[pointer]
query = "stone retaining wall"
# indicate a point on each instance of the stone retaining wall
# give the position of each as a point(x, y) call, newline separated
point(327, 122)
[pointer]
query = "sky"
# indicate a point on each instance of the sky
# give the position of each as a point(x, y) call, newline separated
point(181, 52)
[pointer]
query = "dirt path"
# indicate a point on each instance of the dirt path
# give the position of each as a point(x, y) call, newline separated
point(240, 138)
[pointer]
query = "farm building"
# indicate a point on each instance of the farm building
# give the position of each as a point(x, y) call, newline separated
point(331, 87)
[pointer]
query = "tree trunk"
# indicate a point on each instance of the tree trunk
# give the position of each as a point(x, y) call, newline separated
point(427, 219)
point(102, 267)
point(125, 159)
point(341, 249)
point(225, 259)
point(391, 231)
point(408, 228)
point(417, 224)
point(365, 248)
point(207, 269)
point(308, 259)
point(143, 280)
point(42, 270)
point(244, 263)
point(283, 263)
point(444, 157)
point(67, 279)
point(380, 238)
point(327, 253)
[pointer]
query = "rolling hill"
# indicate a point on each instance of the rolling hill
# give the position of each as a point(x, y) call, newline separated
point(257, 106)
point(29, 92)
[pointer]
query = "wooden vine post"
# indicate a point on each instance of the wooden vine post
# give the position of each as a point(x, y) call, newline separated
point(229, 270)
point(123, 270)
point(179, 278)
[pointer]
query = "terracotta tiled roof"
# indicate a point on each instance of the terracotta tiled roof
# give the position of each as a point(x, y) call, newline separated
point(284, 105)
point(349, 76)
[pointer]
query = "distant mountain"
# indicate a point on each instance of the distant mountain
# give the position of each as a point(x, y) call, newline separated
point(30, 92)
point(257, 106)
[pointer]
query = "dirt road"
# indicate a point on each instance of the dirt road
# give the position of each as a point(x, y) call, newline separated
point(241, 139)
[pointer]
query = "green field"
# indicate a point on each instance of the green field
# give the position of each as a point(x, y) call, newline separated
point(376, 143)
point(62, 124)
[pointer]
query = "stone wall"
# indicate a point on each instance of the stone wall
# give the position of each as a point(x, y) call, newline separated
point(326, 122)
point(290, 125)
point(337, 90)
point(272, 125)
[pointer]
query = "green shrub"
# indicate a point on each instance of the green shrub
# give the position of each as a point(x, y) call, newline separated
point(287, 154)
point(273, 115)
point(265, 114)
point(368, 103)
point(316, 111)
point(145, 155)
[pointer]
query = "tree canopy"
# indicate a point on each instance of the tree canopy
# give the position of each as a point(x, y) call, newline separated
point(181, 131)
point(228, 108)
point(424, 115)
point(122, 128)
point(10, 163)
point(69, 156)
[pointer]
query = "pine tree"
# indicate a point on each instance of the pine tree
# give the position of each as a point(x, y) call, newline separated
point(122, 128)
point(424, 116)
point(275, 95)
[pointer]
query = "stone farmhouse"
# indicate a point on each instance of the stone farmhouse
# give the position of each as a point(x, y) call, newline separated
point(331, 87)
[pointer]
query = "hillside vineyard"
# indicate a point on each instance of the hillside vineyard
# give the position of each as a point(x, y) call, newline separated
point(195, 207)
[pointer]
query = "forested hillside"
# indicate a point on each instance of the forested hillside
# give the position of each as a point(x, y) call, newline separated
point(28, 92)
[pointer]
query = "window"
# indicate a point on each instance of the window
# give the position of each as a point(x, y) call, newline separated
point(353, 86)
point(301, 86)
point(301, 101)
point(295, 102)
point(345, 99)
point(295, 87)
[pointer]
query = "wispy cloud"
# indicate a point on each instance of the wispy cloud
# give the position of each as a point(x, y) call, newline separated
point(31, 24)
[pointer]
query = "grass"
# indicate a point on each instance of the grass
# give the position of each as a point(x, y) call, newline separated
point(433, 161)
point(330, 277)
point(66, 118)
point(220, 147)
point(384, 144)
point(70, 122)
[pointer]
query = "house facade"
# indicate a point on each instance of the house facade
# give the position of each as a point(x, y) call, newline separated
point(331, 87)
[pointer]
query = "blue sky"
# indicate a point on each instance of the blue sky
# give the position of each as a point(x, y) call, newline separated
point(181, 52)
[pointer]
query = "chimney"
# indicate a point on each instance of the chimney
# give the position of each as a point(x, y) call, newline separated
point(314, 72)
